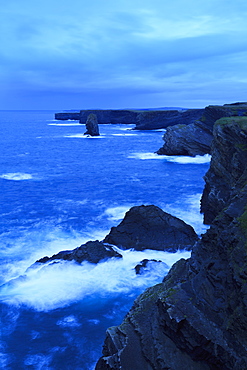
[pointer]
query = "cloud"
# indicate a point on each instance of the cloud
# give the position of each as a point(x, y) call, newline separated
point(132, 47)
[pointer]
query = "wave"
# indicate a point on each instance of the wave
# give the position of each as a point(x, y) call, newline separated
point(198, 159)
point(16, 176)
point(48, 287)
point(117, 213)
point(124, 134)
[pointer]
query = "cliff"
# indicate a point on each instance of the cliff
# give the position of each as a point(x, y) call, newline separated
point(197, 317)
point(196, 137)
point(143, 119)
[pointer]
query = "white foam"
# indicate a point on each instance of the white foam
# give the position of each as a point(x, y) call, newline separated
point(199, 159)
point(124, 134)
point(189, 212)
point(117, 213)
point(47, 287)
point(16, 176)
point(82, 136)
point(146, 156)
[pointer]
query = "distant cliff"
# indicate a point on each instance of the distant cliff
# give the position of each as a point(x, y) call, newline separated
point(197, 317)
point(143, 119)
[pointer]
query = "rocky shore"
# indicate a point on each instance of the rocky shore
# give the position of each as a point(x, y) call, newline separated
point(197, 317)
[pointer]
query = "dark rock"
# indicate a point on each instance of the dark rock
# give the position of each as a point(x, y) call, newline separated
point(114, 116)
point(92, 251)
point(68, 115)
point(196, 138)
point(148, 227)
point(92, 125)
point(197, 317)
point(227, 165)
point(147, 264)
point(188, 140)
point(152, 120)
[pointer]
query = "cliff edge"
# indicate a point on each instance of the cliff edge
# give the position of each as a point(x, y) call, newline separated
point(197, 317)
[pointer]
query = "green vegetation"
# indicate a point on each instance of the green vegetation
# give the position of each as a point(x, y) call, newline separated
point(241, 121)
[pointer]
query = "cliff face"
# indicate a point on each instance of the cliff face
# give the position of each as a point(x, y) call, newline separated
point(197, 318)
point(196, 137)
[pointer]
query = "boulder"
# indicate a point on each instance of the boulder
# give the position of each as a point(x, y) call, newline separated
point(92, 125)
point(92, 251)
point(149, 227)
point(146, 265)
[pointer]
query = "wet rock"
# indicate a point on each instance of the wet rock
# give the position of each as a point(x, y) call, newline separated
point(149, 227)
point(92, 251)
point(92, 125)
point(147, 265)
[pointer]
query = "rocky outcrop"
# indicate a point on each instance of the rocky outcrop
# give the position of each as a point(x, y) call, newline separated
point(114, 116)
point(196, 138)
point(152, 120)
point(92, 125)
point(148, 227)
point(197, 317)
point(188, 140)
point(147, 265)
point(92, 251)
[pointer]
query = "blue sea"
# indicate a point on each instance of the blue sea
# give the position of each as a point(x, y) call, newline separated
point(59, 189)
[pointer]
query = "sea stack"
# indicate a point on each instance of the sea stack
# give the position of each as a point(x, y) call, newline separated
point(92, 125)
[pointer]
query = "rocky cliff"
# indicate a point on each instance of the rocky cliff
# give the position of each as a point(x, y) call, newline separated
point(143, 119)
point(196, 137)
point(197, 317)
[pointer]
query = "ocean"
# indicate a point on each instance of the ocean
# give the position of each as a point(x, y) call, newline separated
point(59, 189)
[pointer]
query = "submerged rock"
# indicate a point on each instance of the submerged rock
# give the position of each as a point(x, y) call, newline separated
point(149, 227)
point(92, 125)
point(197, 317)
point(92, 251)
point(146, 265)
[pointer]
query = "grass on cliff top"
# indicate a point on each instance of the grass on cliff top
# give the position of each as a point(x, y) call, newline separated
point(241, 121)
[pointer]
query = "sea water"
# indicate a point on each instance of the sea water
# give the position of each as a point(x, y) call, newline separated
point(59, 189)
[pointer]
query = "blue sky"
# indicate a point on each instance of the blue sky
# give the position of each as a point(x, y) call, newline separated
point(77, 54)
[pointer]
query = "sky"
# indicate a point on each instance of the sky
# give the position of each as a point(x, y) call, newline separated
point(83, 54)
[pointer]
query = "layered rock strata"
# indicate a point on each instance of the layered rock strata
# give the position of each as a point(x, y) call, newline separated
point(196, 138)
point(197, 317)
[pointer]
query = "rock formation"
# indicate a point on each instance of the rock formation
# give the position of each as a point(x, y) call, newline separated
point(92, 251)
point(195, 138)
point(152, 120)
point(143, 119)
point(148, 227)
point(189, 140)
point(197, 317)
point(92, 125)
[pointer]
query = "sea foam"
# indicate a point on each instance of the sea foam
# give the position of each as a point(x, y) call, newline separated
point(54, 285)
point(16, 176)
point(199, 159)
